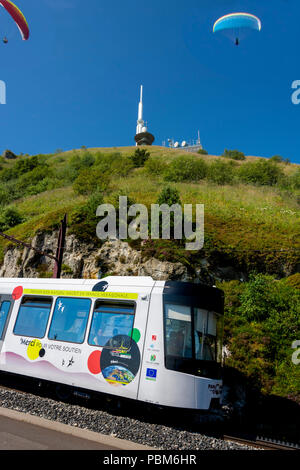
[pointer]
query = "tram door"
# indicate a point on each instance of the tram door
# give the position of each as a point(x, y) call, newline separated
point(6, 305)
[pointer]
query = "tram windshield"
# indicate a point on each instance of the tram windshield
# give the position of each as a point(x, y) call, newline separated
point(191, 335)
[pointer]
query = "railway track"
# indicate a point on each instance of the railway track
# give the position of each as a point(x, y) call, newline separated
point(259, 442)
point(263, 443)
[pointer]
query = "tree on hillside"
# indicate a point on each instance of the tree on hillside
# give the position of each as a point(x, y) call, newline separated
point(234, 154)
point(140, 157)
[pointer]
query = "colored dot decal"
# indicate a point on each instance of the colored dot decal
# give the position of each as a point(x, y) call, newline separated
point(94, 362)
point(136, 335)
point(33, 350)
point(17, 292)
point(42, 353)
point(120, 365)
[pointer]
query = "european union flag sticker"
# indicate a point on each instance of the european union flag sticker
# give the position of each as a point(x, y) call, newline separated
point(151, 374)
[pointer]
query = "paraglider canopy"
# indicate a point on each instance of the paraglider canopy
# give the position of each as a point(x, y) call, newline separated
point(236, 23)
point(17, 16)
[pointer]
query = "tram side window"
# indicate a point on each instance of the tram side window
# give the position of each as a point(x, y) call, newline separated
point(178, 323)
point(112, 324)
point(205, 334)
point(33, 317)
point(4, 309)
point(70, 319)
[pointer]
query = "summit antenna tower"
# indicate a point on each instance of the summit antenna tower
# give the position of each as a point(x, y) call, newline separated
point(142, 137)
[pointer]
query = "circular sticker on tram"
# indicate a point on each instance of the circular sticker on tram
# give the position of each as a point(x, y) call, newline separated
point(35, 350)
point(94, 362)
point(120, 360)
point(17, 293)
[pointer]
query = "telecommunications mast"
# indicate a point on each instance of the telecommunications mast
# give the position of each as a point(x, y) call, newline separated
point(142, 137)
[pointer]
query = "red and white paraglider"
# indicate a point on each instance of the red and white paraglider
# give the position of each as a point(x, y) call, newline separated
point(18, 18)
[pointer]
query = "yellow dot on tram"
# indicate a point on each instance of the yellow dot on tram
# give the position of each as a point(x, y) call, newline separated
point(33, 349)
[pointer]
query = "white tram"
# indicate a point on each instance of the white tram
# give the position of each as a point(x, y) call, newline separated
point(158, 342)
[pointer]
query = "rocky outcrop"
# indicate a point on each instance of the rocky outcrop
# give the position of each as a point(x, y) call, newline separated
point(86, 261)
point(9, 155)
point(82, 260)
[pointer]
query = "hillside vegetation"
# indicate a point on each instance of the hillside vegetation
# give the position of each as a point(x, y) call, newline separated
point(251, 206)
point(251, 224)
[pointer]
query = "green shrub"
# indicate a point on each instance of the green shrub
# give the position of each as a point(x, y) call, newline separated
point(91, 180)
point(294, 281)
point(279, 159)
point(5, 196)
point(276, 159)
point(121, 166)
point(38, 188)
point(78, 162)
point(169, 196)
point(22, 167)
point(87, 160)
point(234, 154)
point(25, 165)
point(261, 172)
point(7, 174)
point(66, 269)
point(140, 157)
point(155, 166)
point(32, 181)
point(114, 163)
point(9, 218)
point(261, 322)
point(220, 172)
point(260, 298)
point(11, 192)
point(233, 291)
point(104, 160)
point(186, 168)
point(75, 162)
point(294, 180)
point(83, 219)
point(287, 379)
point(202, 152)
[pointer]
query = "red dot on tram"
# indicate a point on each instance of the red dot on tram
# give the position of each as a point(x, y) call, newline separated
point(17, 292)
point(94, 362)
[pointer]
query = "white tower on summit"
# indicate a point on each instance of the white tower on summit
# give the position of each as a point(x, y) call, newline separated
point(140, 123)
point(143, 137)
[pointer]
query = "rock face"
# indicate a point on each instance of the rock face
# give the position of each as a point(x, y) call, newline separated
point(9, 155)
point(82, 260)
point(86, 261)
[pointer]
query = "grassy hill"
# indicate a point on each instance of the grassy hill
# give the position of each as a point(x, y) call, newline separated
point(245, 221)
point(251, 224)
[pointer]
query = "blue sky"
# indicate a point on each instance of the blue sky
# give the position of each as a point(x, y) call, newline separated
point(76, 81)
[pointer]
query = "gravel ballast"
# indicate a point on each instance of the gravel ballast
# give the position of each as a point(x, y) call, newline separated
point(135, 430)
